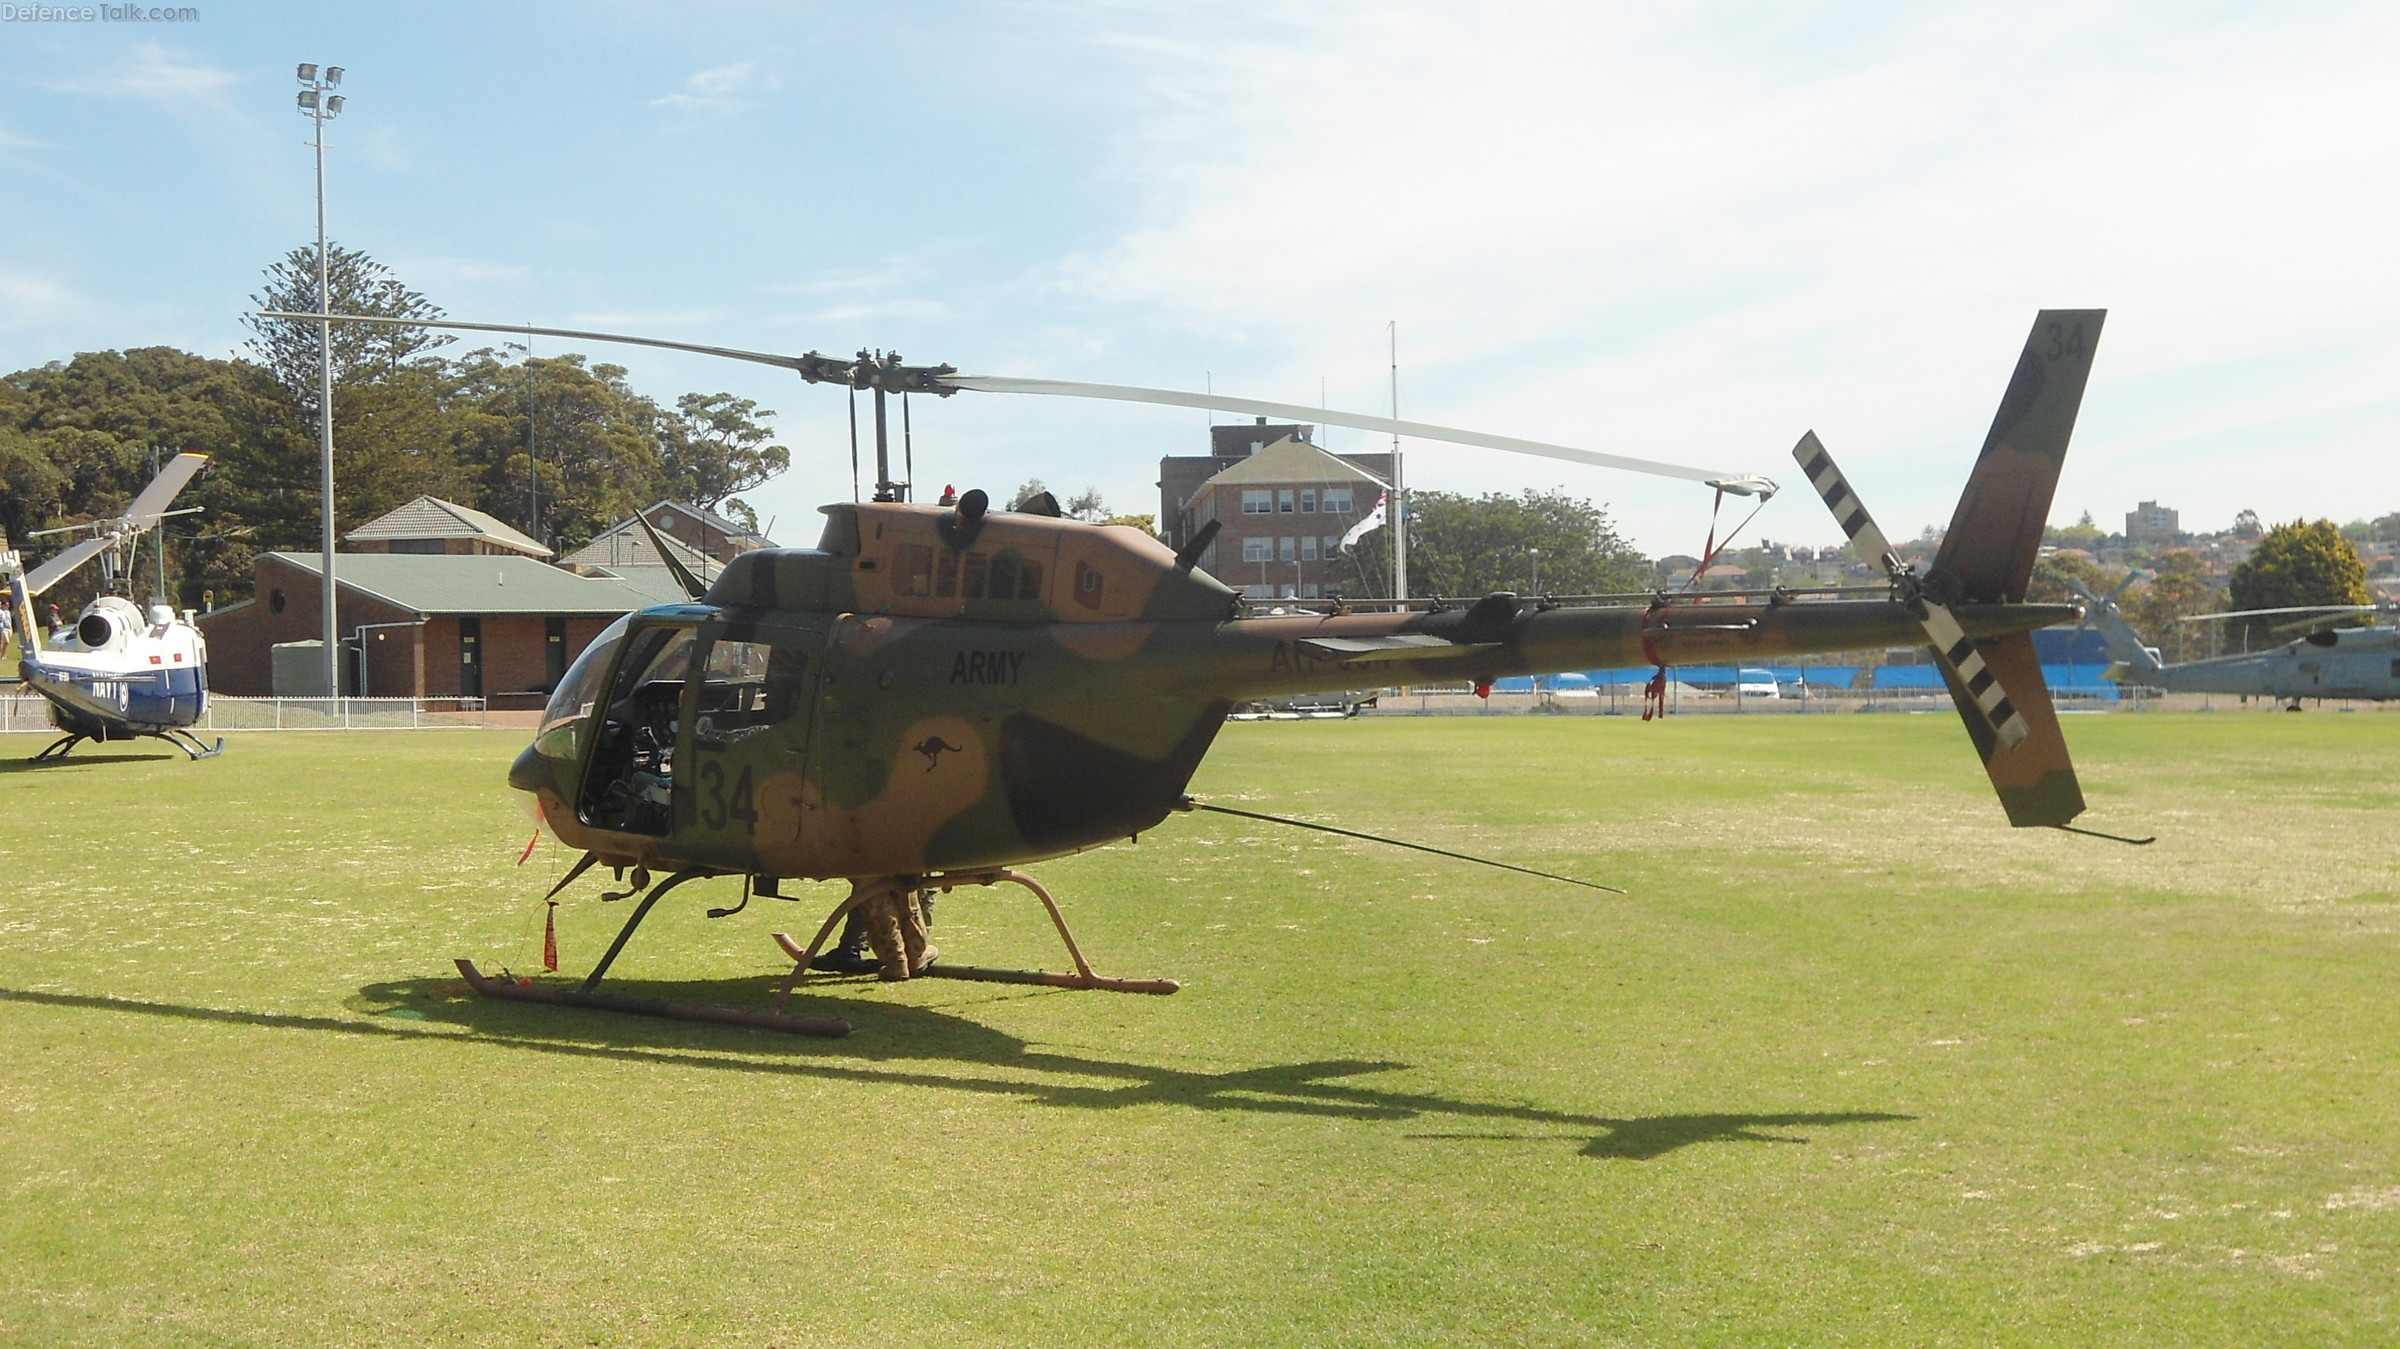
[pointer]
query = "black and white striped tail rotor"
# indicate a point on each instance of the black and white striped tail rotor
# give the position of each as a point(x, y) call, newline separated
point(1950, 643)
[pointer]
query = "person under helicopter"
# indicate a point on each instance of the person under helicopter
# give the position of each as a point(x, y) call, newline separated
point(894, 923)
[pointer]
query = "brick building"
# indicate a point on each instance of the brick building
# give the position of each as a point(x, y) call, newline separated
point(1282, 507)
point(497, 626)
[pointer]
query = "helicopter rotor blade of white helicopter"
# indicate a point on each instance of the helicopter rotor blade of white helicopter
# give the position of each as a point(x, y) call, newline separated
point(57, 569)
point(151, 505)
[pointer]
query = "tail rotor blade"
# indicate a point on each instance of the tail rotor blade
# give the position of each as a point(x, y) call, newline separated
point(1847, 509)
point(1951, 647)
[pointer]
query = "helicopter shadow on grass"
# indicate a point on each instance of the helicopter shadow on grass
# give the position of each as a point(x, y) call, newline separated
point(908, 1045)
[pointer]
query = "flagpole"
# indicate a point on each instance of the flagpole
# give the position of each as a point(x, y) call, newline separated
point(1399, 520)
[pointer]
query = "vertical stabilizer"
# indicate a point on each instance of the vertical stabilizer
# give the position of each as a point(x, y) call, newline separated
point(2123, 643)
point(20, 602)
point(1987, 556)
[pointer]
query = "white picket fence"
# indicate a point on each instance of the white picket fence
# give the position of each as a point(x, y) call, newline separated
point(24, 711)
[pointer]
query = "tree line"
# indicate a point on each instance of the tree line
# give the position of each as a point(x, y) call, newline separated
point(559, 447)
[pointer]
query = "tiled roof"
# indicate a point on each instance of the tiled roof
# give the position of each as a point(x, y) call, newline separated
point(1289, 461)
point(430, 517)
point(432, 583)
point(623, 547)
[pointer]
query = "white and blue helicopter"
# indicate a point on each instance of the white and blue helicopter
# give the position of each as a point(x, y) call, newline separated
point(118, 673)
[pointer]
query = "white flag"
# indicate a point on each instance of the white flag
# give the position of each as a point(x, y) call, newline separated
point(1368, 525)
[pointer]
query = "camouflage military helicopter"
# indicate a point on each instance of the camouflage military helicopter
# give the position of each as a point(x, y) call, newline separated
point(935, 696)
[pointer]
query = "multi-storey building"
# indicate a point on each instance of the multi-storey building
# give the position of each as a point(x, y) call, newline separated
point(2152, 524)
point(1282, 505)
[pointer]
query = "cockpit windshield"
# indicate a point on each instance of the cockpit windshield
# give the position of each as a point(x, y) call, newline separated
point(578, 689)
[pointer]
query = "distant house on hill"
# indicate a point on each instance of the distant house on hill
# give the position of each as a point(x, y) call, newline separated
point(432, 525)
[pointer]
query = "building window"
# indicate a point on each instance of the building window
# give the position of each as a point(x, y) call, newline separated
point(1337, 501)
point(1308, 501)
point(1257, 501)
point(1258, 550)
point(1289, 548)
point(1309, 591)
point(1283, 501)
point(418, 546)
point(1333, 545)
point(1258, 592)
point(1308, 547)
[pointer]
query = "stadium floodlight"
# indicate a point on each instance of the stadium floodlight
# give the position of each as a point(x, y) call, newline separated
point(319, 103)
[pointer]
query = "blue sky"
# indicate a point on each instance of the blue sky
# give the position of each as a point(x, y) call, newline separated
point(1683, 232)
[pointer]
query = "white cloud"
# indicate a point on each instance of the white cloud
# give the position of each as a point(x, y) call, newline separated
point(1693, 233)
point(29, 302)
point(154, 72)
point(711, 88)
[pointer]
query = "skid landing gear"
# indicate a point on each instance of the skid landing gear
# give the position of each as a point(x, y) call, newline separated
point(865, 890)
point(183, 740)
point(528, 991)
point(828, 1026)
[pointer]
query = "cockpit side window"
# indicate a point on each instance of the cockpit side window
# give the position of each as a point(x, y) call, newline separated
point(631, 779)
point(577, 689)
point(745, 687)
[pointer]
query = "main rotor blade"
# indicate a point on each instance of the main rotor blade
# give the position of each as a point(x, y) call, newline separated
point(152, 503)
point(1743, 484)
point(814, 367)
point(729, 353)
point(2288, 609)
point(57, 569)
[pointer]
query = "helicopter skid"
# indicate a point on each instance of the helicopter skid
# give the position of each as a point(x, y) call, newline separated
point(1050, 978)
point(1083, 977)
point(825, 1026)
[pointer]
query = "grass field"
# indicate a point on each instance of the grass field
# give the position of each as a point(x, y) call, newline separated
point(1852, 1064)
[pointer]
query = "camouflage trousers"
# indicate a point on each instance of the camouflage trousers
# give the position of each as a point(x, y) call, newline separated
point(896, 931)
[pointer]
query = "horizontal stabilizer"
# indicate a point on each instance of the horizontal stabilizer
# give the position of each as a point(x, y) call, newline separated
point(2036, 780)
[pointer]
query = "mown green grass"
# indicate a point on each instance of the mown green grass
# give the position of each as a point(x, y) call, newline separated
point(1853, 1063)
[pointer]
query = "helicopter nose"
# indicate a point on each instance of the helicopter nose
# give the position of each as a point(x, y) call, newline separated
point(532, 772)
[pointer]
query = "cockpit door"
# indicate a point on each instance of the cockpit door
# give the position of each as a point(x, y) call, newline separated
point(741, 799)
point(629, 777)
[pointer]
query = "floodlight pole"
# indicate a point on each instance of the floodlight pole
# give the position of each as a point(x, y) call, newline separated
point(318, 103)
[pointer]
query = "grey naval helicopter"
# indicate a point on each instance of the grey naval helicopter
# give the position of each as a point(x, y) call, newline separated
point(119, 672)
point(2328, 662)
point(937, 695)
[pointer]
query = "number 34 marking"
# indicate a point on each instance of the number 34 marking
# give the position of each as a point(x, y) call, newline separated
point(716, 810)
